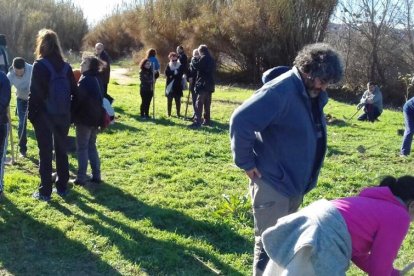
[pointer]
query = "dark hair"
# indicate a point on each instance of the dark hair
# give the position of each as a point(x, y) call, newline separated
point(151, 53)
point(18, 63)
point(402, 187)
point(142, 63)
point(371, 83)
point(3, 40)
point(95, 64)
point(203, 49)
point(321, 61)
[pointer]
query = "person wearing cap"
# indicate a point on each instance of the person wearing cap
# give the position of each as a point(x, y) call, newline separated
point(4, 58)
point(19, 76)
point(278, 137)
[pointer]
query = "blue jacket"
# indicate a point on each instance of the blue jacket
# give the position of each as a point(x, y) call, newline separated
point(5, 95)
point(87, 102)
point(275, 132)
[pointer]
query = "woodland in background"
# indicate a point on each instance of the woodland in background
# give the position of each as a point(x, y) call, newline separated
point(245, 36)
point(20, 21)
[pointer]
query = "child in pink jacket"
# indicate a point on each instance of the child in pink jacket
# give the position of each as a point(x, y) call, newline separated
point(376, 221)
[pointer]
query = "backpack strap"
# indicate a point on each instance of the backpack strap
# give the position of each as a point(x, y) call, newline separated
point(50, 67)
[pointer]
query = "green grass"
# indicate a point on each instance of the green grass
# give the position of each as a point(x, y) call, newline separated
point(161, 209)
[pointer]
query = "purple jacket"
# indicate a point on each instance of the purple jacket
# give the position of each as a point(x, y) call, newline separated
point(377, 222)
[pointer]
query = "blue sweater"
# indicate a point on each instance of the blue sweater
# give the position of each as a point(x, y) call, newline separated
point(275, 132)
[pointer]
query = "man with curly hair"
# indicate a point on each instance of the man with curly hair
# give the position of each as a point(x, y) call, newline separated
point(278, 137)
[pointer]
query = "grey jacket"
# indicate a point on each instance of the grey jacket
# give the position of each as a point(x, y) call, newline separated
point(22, 84)
point(319, 225)
point(374, 98)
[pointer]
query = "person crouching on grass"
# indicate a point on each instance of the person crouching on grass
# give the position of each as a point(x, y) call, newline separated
point(87, 117)
point(322, 238)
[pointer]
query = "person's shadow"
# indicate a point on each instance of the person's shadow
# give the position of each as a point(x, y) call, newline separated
point(30, 247)
point(153, 255)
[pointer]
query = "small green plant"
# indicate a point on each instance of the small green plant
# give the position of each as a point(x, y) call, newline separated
point(235, 207)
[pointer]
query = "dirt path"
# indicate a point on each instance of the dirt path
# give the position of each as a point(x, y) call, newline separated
point(120, 75)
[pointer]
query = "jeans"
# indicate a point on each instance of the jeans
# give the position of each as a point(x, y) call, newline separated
point(86, 150)
point(409, 130)
point(4, 131)
point(51, 133)
point(371, 113)
point(268, 206)
point(22, 114)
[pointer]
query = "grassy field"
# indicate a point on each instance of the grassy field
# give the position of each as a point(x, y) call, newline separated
point(172, 203)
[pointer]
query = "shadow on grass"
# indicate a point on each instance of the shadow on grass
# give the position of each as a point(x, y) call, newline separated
point(332, 150)
point(118, 126)
point(29, 247)
point(159, 256)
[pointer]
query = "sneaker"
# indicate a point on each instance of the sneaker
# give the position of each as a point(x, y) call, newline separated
point(40, 197)
point(96, 180)
point(195, 125)
point(206, 123)
point(79, 182)
point(62, 194)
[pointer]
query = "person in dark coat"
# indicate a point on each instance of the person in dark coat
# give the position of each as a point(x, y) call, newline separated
point(87, 113)
point(147, 79)
point(51, 127)
point(174, 89)
point(204, 86)
point(105, 74)
point(5, 95)
point(192, 76)
point(182, 58)
point(4, 58)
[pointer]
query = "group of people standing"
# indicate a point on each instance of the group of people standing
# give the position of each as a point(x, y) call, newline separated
point(52, 99)
point(199, 73)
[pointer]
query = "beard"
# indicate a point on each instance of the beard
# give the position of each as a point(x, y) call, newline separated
point(310, 87)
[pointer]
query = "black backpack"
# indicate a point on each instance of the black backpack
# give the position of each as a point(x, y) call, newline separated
point(58, 100)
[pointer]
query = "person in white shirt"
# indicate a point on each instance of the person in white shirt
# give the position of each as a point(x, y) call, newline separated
point(19, 76)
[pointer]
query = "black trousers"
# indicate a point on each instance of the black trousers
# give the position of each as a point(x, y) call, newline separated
point(51, 133)
point(4, 130)
point(146, 97)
